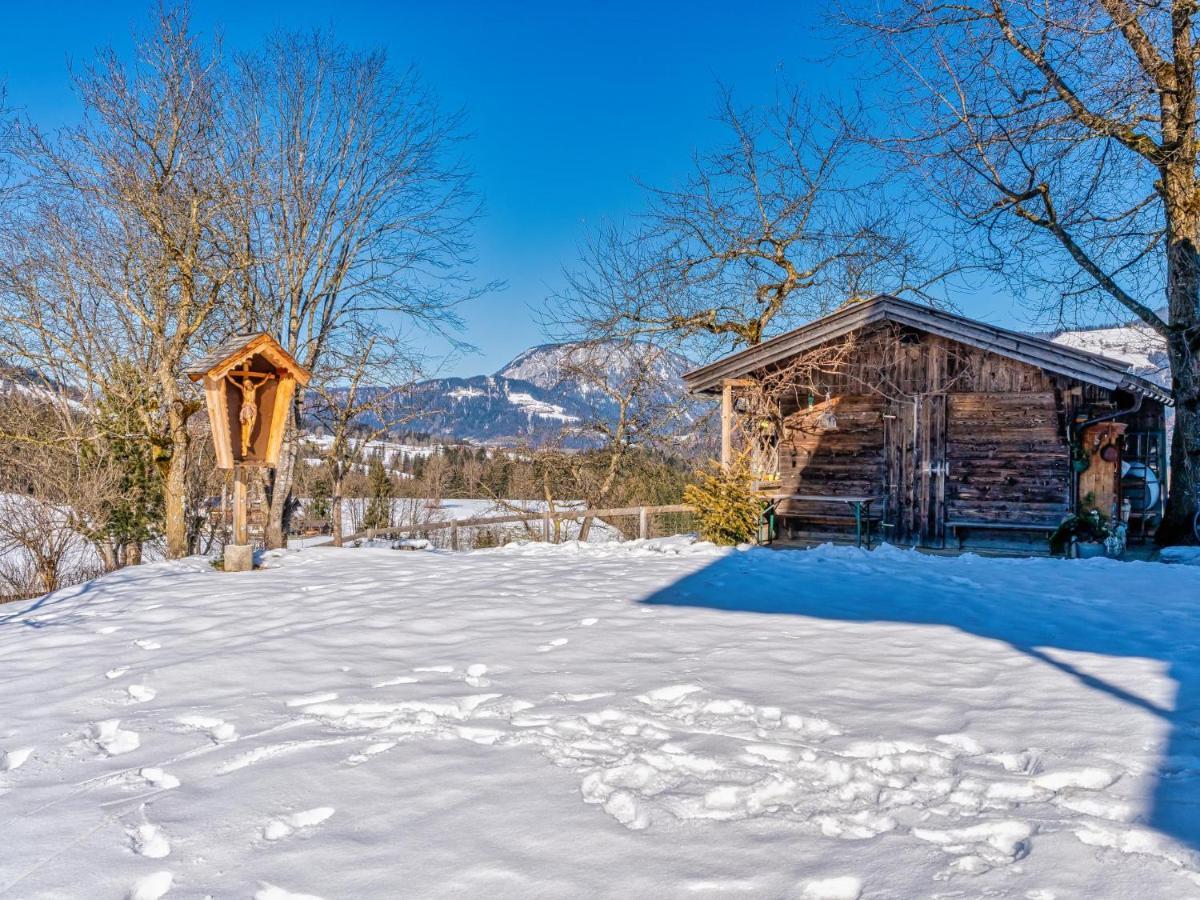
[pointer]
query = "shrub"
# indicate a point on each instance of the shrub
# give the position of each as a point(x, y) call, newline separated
point(1085, 527)
point(727, 509)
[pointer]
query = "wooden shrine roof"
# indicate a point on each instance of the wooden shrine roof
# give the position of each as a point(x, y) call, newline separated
point(238, 347)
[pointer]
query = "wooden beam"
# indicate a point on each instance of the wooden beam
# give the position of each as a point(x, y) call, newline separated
point(726, 425)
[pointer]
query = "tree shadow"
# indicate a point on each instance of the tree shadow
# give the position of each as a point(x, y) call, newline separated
point(67, 605)
point(1035, 606)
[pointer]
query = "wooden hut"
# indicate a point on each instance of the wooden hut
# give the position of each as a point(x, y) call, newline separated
point(937, 430)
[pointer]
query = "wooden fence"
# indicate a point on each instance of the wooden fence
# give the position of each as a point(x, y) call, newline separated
point(545, 517)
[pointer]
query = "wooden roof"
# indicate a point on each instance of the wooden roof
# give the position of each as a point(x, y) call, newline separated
point(238, 347)
point(1090, 368)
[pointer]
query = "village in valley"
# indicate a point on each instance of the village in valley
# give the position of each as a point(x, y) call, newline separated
point(569, 452)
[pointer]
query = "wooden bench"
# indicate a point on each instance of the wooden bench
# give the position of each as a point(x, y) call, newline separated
point(862, 516)
point(958, 526)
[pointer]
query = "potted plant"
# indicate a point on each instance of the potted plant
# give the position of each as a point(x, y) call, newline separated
point(1083, 536)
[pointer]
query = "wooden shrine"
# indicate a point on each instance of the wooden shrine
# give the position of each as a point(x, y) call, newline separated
point(249, 383)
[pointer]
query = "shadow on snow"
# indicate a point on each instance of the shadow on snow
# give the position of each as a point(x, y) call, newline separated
point(1134, 609)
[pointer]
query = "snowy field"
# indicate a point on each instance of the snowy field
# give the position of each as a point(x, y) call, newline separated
point(408, 512)
point(650, 719)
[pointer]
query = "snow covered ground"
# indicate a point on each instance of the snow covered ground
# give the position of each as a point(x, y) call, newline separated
point(648, 719)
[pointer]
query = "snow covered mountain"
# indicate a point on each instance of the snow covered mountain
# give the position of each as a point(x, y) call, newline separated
point(1138, 345)
point(561, 366)
point(531, 399)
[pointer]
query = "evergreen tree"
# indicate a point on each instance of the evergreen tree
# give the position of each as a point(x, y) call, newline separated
point(382, 490)
point(133, 511)
point(318, 502)
point(727, 509)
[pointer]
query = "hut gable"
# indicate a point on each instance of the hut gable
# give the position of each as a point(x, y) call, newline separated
point(1037, 352)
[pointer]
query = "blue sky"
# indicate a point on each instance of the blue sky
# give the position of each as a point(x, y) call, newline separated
point(568, 104)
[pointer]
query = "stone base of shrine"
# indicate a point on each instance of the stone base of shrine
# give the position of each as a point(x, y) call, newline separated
point(239, 557)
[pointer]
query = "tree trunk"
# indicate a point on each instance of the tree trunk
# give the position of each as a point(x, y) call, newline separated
point(175, 486)
point(1183, 352)
point(280, 509)
point(107, 552)
point(1183, 497)
point(335, 512)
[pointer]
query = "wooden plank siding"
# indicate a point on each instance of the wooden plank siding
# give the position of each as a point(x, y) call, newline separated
point(1008, 458)
point(943, 431)
point(845, 462)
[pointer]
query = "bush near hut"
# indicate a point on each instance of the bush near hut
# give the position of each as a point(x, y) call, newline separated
point(1088, 527)
point(727, 509)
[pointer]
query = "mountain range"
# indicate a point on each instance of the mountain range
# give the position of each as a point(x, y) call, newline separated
point(541, 396)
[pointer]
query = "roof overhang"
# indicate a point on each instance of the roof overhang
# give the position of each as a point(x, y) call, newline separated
point(242, 346)
point(1081, 365)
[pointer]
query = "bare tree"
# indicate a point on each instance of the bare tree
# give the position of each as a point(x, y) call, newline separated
point(1063, 139)
point(775, 228)
point(358, 400)
point(362, 210)
point(633, 406)
point(57, 494)
point(115, 253)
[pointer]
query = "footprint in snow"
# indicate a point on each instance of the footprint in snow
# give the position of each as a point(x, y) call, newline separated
point(847, 887)
point(403, 679)
point(218, 729)
point(151, 887)
point(277, 829)
point(117, 672)
point(158, 778)
point(475, 675)
point(372, 750)
point(310, 699)
point(147, 644)
point(14, 759)
point(547, 647)
point(149, 841)
point(108, 629)
point(588, 621)
point(112, 739)
point(139, 693)
point(271, 892)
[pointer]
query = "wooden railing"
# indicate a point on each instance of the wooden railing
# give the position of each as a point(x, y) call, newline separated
point(546, 517)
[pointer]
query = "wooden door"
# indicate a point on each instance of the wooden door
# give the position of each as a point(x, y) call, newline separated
point(915, 442)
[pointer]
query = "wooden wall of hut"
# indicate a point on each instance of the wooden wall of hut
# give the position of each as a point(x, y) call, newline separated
point(943, 431)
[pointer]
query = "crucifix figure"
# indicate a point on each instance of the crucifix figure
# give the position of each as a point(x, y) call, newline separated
point(250, 382)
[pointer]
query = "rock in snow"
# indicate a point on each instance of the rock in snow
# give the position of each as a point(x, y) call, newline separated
point(655, 718)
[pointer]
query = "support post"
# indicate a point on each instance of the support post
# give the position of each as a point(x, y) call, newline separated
point(454, 538)
point(726, 425)
point(240, 531)
point(239, 555)
point(546, 527)
point(643, 523)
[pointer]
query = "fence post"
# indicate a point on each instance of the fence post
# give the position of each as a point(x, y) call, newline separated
point(643, 523)
point(454, 538)
point(546, 527)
